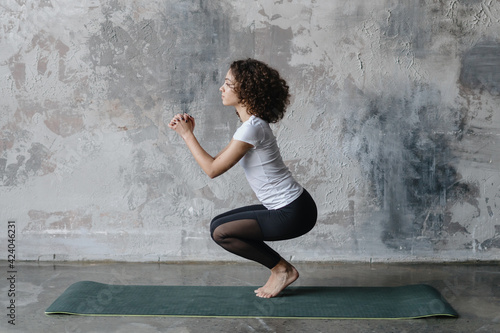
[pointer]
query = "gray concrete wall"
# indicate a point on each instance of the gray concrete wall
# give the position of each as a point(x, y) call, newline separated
point(393, 127)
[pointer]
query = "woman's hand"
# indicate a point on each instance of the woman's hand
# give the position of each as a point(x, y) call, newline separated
point(183, 124)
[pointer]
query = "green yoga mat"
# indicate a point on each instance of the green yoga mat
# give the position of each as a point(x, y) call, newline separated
point(97, 299)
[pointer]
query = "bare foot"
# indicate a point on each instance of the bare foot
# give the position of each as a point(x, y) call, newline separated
point(282, 275)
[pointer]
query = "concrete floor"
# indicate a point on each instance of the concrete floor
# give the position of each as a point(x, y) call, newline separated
point(473, 290)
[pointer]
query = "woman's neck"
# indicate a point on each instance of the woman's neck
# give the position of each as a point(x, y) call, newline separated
point(243, 113)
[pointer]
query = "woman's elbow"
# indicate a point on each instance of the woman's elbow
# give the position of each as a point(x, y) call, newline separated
point(213, 174)
point(216, 170)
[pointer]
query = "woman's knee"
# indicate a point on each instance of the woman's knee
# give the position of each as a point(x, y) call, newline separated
point(216, 222)
point(218, 235)
point(212, 228)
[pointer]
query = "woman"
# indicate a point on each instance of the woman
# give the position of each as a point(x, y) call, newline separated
point(260, 97)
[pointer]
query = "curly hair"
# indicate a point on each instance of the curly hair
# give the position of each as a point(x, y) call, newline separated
point(261, 89)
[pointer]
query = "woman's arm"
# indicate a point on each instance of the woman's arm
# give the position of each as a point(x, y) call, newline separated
point(216, 166)
point(212, 166)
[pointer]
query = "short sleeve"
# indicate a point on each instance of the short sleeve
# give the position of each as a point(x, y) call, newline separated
point(249, 133)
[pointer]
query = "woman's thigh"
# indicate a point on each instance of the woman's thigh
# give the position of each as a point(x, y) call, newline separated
point(242, 213)
point(291, 221)
point(288, 222)
point(241, 210)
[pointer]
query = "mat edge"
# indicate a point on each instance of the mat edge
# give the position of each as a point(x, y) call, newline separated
point(249, 317)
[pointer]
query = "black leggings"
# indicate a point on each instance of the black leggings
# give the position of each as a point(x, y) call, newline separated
point(243, 231)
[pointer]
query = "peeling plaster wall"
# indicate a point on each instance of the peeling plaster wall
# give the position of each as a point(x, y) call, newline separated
point(394, 125)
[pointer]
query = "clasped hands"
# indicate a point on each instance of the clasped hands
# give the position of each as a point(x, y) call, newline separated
point(182, 124)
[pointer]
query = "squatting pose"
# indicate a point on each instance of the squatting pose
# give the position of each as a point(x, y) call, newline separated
point(260, 97)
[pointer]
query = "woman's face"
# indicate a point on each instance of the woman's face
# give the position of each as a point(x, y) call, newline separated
point(229, 96)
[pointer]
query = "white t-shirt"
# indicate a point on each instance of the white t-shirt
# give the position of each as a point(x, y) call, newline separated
point(268, 176)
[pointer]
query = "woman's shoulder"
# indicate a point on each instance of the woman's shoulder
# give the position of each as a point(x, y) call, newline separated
point(256, 121)
point(256, 126)
point(253, 124)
